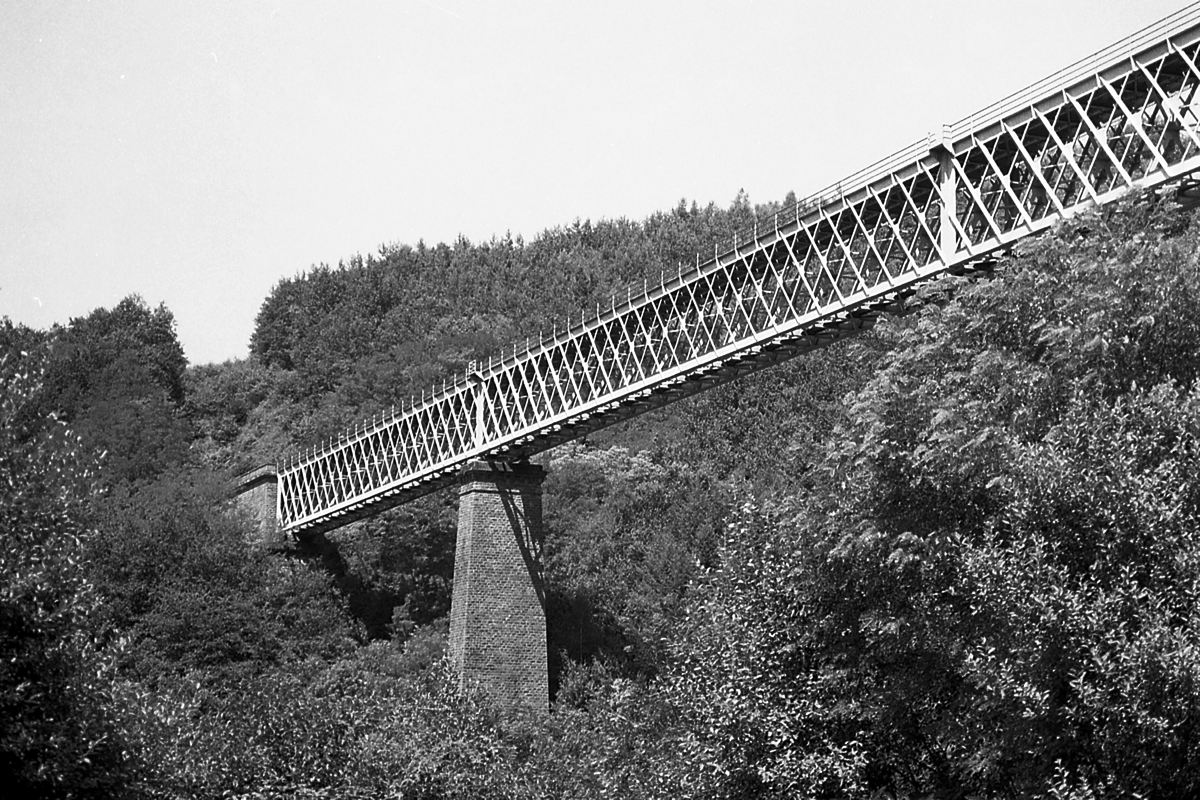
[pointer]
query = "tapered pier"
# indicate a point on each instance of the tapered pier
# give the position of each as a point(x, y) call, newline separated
point(497, 614)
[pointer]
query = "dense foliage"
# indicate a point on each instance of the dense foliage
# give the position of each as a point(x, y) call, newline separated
point(990, 588)
point(56, 735)
point(956, 557)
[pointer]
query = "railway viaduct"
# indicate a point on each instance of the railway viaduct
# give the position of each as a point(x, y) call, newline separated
point(1124, 118)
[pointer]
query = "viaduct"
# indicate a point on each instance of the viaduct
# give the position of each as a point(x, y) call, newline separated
point(1124, 118)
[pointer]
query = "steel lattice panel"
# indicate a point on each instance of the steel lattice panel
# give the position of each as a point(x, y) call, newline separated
point(1124, 118)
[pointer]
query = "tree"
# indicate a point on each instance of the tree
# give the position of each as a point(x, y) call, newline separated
point(86, 353)
point(182, 584)
point(989, 587)
point(56, 738)
point(624, 534)
point(118, 377)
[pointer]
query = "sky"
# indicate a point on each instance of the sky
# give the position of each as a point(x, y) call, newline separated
point(196, 153)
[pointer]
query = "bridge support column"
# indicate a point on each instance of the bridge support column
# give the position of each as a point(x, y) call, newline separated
point(255, 493)
point(497, 613)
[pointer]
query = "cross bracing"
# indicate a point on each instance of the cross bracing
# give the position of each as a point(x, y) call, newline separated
point(1123, 118)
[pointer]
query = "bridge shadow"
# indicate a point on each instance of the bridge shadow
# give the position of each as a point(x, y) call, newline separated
point(398, 562)
point(368, 604)
point(578, 630)
point(525, 521)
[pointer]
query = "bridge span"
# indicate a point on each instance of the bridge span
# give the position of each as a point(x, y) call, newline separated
point(1123, 118)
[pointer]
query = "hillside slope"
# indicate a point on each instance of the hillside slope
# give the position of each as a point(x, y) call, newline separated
point(958, 556)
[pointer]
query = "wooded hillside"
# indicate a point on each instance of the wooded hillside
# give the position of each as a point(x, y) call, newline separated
point(958, 556)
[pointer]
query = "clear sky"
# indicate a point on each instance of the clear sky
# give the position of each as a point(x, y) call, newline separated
point(198, 152)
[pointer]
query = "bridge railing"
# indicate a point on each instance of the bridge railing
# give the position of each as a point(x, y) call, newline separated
point(1123, 118)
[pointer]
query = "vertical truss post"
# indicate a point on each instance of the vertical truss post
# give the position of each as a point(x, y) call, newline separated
point(478, 423)
point(939, 148)
point(278, 502)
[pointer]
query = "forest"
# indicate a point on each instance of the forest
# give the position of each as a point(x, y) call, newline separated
point(957, 556)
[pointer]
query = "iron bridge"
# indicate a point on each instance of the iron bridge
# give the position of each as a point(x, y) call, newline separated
point(1120, 119)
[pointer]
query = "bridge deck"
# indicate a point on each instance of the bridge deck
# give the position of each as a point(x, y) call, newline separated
point(1125, 117)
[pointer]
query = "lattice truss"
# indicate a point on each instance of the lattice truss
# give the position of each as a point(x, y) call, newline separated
point(1123, 119)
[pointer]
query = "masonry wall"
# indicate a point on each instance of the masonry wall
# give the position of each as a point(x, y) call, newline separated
point(255, 494)
point(497, 615)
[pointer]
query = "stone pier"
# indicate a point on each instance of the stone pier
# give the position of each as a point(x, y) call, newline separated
point(254, 493)
point(497, 614)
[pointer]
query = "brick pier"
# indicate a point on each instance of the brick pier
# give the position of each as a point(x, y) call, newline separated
point(497, 614)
